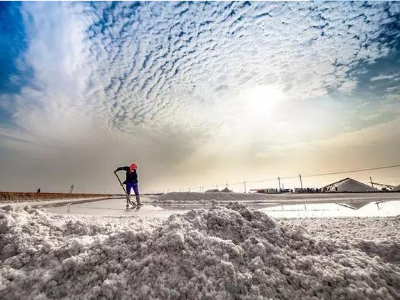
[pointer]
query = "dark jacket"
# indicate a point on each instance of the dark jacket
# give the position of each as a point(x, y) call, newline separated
point(130, 176)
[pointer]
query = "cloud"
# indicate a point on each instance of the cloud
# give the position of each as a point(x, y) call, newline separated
point(152, 59)
point(175, 79)
point(381, 133)
point(385, 77)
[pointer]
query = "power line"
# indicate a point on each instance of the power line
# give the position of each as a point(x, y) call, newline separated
point(354, 171)
point(332, 173)
point(311, 175)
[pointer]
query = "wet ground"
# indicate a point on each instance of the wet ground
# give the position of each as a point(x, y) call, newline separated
point(322, 210)
point(340, 206)
point(115, 207)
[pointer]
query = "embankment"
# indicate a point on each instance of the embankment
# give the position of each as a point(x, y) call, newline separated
point(16, 197)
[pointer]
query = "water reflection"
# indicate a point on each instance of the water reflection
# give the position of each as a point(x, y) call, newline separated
point(357, 208)
point(322, 210)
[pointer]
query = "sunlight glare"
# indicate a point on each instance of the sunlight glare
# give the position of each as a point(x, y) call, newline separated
point(260, 100)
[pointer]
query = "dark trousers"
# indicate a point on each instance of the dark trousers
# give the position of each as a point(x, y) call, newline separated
point(134, 186)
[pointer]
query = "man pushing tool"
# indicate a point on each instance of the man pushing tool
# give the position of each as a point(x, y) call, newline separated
point(131, 181)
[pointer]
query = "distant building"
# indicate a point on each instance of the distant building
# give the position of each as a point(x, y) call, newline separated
point(306, 190)
point(226, 190)
point(264, 191)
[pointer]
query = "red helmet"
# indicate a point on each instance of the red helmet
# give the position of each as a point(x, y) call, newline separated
point(133, 167)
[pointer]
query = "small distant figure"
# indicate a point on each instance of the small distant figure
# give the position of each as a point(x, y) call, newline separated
point(71, 189)
point(38, 191)
point(132, 181)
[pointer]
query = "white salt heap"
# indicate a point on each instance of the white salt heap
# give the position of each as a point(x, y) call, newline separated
point(351, 185)
point(220, 253)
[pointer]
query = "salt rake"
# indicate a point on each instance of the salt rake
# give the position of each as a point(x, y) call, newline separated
point(128, 199)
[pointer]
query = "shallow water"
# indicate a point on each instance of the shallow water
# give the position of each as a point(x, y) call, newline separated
point(116, 208)
point(323, 210)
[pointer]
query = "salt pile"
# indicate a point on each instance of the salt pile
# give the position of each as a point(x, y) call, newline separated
point(350, 185)
point(220, 253)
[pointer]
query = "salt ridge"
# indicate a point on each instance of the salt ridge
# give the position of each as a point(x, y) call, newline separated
point(219, 253)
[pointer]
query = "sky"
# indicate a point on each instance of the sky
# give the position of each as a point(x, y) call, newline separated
point(197, 93)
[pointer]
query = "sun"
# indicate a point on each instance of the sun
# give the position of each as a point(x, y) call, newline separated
point(261, 100)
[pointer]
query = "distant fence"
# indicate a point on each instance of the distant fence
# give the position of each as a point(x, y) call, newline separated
point(11, 197)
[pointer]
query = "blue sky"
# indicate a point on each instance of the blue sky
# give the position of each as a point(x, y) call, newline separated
point(251, 89)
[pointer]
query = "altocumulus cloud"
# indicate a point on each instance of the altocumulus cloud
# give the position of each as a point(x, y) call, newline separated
point(174, 85)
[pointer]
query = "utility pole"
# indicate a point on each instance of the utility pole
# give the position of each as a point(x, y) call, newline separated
point(279, 181)
point(244, 183)
point(372, 184)
point(301, 182)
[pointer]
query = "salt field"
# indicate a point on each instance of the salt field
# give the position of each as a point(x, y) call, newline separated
point(337, 205)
